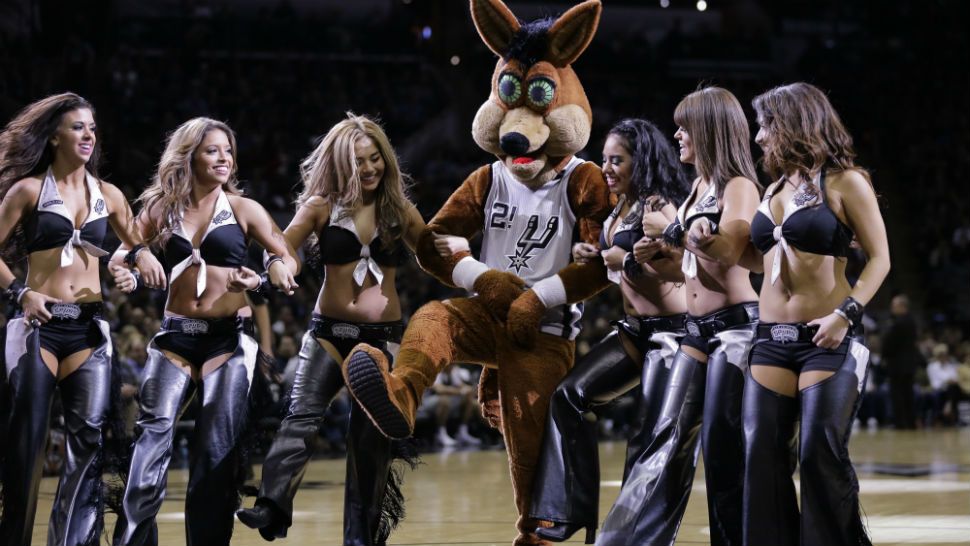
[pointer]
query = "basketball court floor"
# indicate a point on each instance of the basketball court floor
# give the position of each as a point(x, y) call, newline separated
point(915, 489)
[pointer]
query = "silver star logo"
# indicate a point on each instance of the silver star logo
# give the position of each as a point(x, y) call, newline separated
point(519, 260)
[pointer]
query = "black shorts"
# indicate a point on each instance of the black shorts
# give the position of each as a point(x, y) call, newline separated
point(798, 356)
point(73, 328)
point(345, 335)
point(702, 330)
point(198, 347)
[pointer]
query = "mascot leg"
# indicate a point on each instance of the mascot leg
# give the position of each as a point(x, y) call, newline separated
point(212, 497)
point(830, 490)
point(165, 392)
point(85, 396)
point(652, 501)
point(568, 475)
point(770, 505)
point(527, 380)
point(31, 390)
point(318, 379)
point(438, 334)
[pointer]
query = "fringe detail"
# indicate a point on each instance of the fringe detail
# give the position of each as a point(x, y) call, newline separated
point(115, 454)
point(404, 455)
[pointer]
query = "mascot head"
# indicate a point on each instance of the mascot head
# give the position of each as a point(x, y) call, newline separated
point(537, 115)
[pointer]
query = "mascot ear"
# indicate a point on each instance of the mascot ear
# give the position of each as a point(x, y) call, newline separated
point(572, 32)
point(495, 23)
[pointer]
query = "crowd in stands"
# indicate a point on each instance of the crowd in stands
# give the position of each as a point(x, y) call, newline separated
point(281, 78)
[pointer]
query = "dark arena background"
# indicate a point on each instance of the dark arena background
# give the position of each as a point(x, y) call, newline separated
point(281, 73)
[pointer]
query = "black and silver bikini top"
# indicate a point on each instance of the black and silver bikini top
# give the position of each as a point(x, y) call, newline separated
point(52, 225)
point(808, 224)
point(707, 206)
point(340, 244)
point(223, 245)
point(628, 232)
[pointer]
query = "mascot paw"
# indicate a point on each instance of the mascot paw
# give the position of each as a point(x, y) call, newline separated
point(525, 313)
point(498, 289)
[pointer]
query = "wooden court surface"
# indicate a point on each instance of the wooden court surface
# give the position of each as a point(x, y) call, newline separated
point(915, 490)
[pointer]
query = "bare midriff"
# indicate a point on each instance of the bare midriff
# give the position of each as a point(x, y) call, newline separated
point(717, 286)
point(809, 286)
point(341, 297)
point(216, 301)
point(79, 282)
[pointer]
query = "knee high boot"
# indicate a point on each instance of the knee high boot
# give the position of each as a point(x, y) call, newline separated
point(568, 475)
point(770, 511)
point(318, 379)
point(830, 490)
point(164, 394)
point(652, 501)
point(212, 496)
point(76, 518)
point(31, 391)
point(722, 440)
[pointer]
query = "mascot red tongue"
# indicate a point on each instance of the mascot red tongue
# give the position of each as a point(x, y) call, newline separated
point(530, 205)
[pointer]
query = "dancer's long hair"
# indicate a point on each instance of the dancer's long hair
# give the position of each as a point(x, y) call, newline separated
point(170, 191)
point(656, 168)
point(330, 171)
point(26, 151)
point(804, 132)
point(715, 122)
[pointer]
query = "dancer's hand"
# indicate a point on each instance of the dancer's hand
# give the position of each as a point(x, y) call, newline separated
point(281, 277)
point(654, 224)
point(123, 278)
point(525, 314)
point(151, 271)
point(34, 305)
point(449, 245)
point(498, 289)
point(584, 253)
point(701, 232)
point(242, 279)
point(645, 249)
point(613, 258)
point(831, 331)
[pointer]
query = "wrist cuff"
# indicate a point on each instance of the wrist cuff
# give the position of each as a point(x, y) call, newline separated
point(550, 291)
point(467, 272)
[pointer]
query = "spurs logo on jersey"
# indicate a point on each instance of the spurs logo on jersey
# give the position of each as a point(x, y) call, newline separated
point(502, 216)
point(530, 233)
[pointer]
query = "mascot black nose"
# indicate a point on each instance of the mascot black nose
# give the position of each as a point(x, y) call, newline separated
point(514, 144)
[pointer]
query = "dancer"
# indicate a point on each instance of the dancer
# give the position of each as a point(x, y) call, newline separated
point(809, 359)
point(639, 165)
point(529, 203)
point(55, 210)
point(353, 191)
point(707, 376)
point(194, 213)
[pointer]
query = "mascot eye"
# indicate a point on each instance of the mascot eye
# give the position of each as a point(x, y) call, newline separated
point(509, 88)
point(541, 92)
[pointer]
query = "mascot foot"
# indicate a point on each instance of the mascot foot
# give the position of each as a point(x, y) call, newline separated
point(383, 397)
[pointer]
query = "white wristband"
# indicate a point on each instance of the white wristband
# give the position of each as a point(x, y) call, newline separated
point(550, 291)
point(467, 271)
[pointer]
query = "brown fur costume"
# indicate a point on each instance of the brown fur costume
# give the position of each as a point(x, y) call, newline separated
point(499, 328)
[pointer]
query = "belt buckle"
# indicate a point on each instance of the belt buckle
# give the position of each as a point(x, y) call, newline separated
point(345, 331)
point(194, 326)
point(784, 333)
point(65, 310)
point(693, 328)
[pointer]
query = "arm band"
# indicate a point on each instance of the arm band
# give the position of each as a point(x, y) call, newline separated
point(674, 234)
point(850, 310)
point(467, 271)
point(16, 290)
point(132, 255)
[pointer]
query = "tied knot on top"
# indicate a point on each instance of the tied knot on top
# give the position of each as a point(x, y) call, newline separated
point(67, 254)
point(365, 265)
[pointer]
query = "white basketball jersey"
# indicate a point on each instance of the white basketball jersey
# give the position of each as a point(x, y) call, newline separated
point(530, 233)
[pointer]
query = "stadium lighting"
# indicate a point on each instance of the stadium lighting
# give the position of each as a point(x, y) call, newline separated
point(665, 3)
point(701, 5)
point(455, 59)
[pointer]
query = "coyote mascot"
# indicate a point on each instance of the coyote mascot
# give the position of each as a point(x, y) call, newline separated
point(530, 204)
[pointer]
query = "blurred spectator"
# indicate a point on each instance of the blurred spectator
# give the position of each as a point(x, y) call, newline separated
point(944, 377)
point(902, 358)
point(453, 392)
